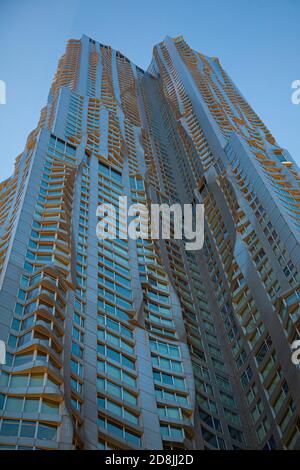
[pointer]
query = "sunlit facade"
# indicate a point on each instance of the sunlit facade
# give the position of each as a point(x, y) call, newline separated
point(140, 344)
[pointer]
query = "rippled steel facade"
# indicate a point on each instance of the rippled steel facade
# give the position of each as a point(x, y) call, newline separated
point(141, 344)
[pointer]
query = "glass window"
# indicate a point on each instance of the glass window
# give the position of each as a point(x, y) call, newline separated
point(130, 398)
point(132, 437)
point(113, 371)
point(32, 405)
point(36, 380)
point(14, 404)
point(2, 398)
point(173, 413)
point(116, 409)
point(18, 381)
point(9, 427)
point(114, 389)
point(45, 431)
point(49, 407)
point(113, 428)
point(28, 429)
point(176, 433)
point(3, 379)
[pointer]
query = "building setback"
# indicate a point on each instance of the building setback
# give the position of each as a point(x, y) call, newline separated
point(140, 344)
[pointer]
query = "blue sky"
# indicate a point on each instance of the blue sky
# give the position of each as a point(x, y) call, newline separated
point(257, 41)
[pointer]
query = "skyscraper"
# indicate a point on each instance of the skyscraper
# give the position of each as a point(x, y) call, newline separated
point(141, 344)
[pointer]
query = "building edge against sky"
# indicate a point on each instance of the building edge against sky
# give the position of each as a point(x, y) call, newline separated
point(122, 344)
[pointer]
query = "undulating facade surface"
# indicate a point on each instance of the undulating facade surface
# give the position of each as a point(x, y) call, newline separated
point(140, 344)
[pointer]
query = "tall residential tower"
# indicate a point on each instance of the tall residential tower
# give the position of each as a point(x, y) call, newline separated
point(140, 344)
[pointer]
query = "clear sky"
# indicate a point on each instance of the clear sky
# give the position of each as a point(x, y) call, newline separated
point(257, 41)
